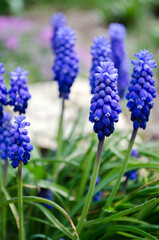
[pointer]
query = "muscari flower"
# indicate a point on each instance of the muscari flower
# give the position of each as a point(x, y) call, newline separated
point(117, 33)
point(47, 194)
point(104, 108)
point(142, 89)
point(5, 135)
point(66, 65)
point(100, 51)
point(19, 91)
point(57, 20)
point(132, 175)
point(3, 91)
point(19, 145)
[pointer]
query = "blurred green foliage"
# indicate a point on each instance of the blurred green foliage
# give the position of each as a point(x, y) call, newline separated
point(127, 12)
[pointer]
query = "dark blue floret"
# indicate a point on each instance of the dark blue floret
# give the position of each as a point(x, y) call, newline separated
point(134, 153)
point(117, 33)
point(19, 144)
point(132, 175)
point(58, 20)
point(100, 51)
point(5, 135)
point(47, 194)
point(97, 196)
point(142, 89)
point(3, 91)
point(66, 65)
point(19, 91)
point(104, 107)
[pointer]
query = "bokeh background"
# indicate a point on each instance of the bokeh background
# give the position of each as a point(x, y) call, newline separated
point(25, 33)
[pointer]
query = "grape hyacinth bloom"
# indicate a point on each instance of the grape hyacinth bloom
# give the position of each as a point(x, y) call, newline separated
point(66, 65)
point(5, 135)
point(117, 33)
point(142, 89)
point(19, 146)
point(3, 91)
point(47, 194)
point(100, 51)
point(19, 91)
point(57, 20)
point(104, 112)
point(104, 108)
point(132, 175)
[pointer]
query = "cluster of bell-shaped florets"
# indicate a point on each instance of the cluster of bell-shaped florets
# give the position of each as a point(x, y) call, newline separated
point(19, 91)
point(142, 89)
point(132, 175)
point(5, 135)
point(3, 91)
point(66, 64)
point(100, 51)
point(58, 20)
point(19, 146)
point(104, 108)
point(117, 33)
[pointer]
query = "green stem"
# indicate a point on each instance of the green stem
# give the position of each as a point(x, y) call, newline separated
point(60, 130)
point(59, 137)
point(122, 170)
point(91, 187)
point(86, 169)
point(20, 202)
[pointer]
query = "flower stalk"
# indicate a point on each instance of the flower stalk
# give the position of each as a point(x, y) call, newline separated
point(59, 138)
point(20, 202)
point(91, 187)
point(122, 170)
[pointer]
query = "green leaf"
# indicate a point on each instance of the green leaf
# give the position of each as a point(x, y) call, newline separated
point(149, 154)
point(122, 213)
point(129, 235)
point(54, 187)
point(12, 206)
point(41, 200)
point(52, 160)
point(54, 220)
point(37, 236)
point(130, 229)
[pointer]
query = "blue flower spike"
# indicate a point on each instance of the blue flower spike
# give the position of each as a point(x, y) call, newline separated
point(3, 91)
point(100, 51)
point(19, 91)
point(57, 20)
point(141, 91)
point(66, 64)
point(117, 33)
point(5, 135)
point(19, 146)
point(104, 107)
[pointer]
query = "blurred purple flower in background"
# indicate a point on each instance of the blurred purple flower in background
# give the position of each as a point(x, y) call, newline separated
point(117, 33)
point(45, 36)
point(11, 29)
point(11, 42)
point(100, 51)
